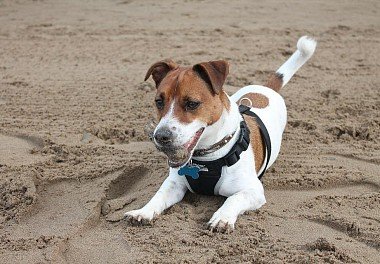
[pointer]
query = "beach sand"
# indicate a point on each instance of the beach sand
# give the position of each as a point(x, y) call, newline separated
point(74, 155)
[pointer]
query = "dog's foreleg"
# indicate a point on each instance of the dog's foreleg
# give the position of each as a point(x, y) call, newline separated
point(225, 217)
point(171, 192)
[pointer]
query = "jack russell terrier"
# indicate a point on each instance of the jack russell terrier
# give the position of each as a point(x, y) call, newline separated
point(217, 144)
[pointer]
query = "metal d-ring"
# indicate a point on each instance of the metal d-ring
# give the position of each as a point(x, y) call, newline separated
point(245, 98)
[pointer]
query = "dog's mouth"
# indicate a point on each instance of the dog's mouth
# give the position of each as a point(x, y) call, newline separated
point(179, 157)
point(190, 145)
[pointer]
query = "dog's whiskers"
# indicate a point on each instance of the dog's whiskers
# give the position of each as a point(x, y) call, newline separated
point(149, 128)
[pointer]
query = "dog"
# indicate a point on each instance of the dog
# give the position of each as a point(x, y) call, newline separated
point(217, 144)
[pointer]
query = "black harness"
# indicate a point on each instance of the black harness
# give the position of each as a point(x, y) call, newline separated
point(210, 171)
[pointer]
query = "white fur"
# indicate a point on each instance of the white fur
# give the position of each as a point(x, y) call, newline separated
point(238, 182)
point(226, 125)
point(305, 49)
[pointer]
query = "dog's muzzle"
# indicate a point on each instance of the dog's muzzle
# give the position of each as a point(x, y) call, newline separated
point(164, 140)
point(178, 154)
point(164, 137)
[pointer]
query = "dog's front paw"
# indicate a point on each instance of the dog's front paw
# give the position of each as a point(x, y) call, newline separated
point(140, 217)
point(221, 223)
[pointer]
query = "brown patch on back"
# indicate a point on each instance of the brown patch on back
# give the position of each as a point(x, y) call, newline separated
point(275, 82)
point(256, 100)
point(257, 142)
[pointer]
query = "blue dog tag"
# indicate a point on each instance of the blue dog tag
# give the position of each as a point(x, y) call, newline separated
point(190, 170)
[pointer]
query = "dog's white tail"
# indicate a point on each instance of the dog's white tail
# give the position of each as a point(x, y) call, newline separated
point(305, 49)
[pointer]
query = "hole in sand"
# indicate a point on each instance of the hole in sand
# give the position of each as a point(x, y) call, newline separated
point(119, 190)
point(125, 181)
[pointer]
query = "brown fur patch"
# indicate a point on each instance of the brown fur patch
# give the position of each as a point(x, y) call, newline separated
point(275, 82)
point(257, 100)
point(257, 142)
point(214, 73)
point(160, 69)
point(225, 101)
point(184, 83)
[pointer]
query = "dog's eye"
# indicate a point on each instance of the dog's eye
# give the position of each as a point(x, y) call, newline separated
point(191, 105)
point(159, 104)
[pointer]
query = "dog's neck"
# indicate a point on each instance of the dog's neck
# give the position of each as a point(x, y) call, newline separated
point(228, 124)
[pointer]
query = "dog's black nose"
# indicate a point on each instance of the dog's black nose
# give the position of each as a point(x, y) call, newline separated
point(163, 136)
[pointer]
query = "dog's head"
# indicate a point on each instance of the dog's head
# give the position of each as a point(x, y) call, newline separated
point(188, 101)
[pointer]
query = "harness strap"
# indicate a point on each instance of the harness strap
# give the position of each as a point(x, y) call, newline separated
point(243, 109)
point(210, 171)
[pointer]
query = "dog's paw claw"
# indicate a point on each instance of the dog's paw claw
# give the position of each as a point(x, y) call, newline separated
point(221, 227)
point(139, 218)
point(221, 223)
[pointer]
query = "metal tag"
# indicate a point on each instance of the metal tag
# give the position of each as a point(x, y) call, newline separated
point(191, 170)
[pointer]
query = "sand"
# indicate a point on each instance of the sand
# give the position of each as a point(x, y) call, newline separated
point(74, 155)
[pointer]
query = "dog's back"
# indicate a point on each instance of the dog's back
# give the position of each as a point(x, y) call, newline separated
point(269, 105)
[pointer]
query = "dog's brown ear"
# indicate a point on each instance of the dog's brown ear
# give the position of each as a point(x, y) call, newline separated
point(214, 73)
point(159, 70)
